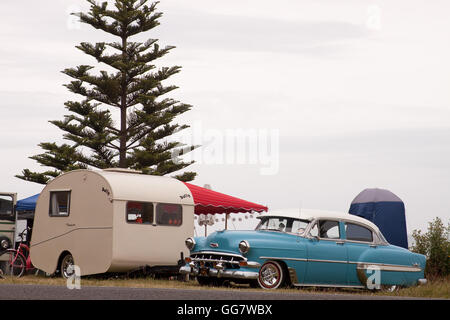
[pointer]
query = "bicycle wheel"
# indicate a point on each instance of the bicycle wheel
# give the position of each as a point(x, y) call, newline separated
point(13, 264)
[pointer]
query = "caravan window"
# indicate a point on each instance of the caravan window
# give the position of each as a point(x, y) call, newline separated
point(140, 212)
point(59, 203)
point(169, 214)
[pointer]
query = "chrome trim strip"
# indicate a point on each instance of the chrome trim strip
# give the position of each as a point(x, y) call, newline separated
point(327, 285)
point(252, 264)
point(360, 265)
point(238, 274)
point(233, 274)
point(328, 261)
point(219, 253)
point(388, 267)
point(305, 260)
point(215, 260)
point(282, 258)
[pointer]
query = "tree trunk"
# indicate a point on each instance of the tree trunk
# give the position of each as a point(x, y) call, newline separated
point(123, 112)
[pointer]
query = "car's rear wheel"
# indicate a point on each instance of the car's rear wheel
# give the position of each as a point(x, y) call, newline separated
point(388, 288)
point(271, 275)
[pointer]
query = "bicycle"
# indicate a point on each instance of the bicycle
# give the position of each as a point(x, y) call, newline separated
point(17, 261)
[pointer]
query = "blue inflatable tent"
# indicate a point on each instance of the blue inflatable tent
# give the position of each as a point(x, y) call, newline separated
point(384, 209)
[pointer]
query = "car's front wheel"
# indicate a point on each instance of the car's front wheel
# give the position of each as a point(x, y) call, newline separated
point(271, 275)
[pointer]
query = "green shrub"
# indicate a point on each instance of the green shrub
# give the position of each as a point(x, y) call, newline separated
point(435, 245)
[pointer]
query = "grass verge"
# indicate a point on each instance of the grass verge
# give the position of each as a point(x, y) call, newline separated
point(435, 288)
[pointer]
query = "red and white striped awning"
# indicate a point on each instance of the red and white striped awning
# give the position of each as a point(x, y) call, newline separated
point(208, 201)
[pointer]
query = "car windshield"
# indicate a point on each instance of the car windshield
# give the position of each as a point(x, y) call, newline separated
point(283, 224)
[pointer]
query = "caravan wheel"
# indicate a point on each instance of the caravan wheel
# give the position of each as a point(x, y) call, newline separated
point(67, 266)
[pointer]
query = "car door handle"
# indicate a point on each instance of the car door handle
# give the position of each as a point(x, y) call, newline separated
point(340, 242)
point(70, 224)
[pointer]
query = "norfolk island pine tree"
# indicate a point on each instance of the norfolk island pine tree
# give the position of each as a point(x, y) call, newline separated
point(134, 89)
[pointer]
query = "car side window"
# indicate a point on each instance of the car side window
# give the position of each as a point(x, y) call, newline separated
point(329, 229)
point(358, 233)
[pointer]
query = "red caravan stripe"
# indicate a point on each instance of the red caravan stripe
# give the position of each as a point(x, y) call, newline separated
point(208, 201)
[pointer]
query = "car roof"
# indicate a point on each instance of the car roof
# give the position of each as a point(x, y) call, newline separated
point(311, 214)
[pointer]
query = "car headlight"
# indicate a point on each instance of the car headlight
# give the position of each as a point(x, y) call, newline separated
point(4, 244)
point(190, 243)
point(244, 246)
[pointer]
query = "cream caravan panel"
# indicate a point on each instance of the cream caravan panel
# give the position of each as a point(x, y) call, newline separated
point(86, 232)
point(141, 187)
point(138, 245)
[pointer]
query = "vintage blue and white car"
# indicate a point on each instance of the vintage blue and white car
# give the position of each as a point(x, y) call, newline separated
point(304, 248)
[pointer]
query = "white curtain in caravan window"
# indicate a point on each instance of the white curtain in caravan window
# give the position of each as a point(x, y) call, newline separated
point(55, 204)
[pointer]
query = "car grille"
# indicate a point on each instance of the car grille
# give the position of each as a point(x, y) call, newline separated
point(210, 259)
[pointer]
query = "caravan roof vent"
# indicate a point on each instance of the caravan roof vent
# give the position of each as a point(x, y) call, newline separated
point(123, 170)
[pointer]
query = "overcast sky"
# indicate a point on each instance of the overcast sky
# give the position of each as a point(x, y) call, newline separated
point(345, 95)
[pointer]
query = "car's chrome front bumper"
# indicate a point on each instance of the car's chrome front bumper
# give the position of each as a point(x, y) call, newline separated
point(230, 273)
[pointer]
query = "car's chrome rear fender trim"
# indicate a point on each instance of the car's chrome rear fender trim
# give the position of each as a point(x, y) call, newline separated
point(386, 267)
point(360, 265)
point(327, 285)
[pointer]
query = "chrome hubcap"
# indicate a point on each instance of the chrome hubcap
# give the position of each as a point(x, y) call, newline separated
point(269, 275)
point(392, 288)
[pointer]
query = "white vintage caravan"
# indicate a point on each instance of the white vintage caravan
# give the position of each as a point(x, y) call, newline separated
point(113, 220)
